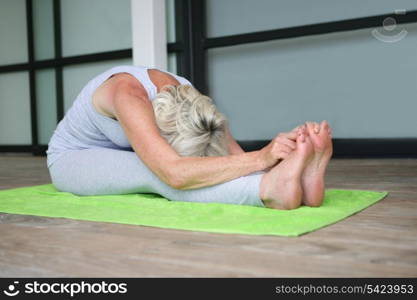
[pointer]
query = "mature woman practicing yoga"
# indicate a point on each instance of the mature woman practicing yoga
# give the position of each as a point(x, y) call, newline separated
point(140, 130)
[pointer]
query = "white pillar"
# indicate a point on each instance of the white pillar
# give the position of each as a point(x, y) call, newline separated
point(149, 33)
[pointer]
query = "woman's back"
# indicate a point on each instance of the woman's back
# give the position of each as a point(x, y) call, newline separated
point(86, 126)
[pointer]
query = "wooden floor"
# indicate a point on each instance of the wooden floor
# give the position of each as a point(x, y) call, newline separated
point(380, 241)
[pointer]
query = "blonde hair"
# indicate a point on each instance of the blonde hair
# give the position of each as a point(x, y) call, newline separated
point(190, 121)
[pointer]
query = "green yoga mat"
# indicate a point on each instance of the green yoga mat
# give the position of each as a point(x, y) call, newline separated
point(153, 210)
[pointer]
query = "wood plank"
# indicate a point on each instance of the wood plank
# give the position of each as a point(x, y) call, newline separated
point(377, 242)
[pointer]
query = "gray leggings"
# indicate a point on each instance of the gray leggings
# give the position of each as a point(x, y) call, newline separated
point(104, 171)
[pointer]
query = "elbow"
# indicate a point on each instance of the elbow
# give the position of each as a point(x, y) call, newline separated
point(175, 180)
point(176, 183)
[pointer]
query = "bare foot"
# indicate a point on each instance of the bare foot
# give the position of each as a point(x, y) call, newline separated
point(312, 180)
point(281, 186)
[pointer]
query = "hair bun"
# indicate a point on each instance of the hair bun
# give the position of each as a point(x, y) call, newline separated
point(190, 122)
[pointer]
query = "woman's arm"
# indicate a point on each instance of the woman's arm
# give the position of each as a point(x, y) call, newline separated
point(136, 116)
point(134, 111)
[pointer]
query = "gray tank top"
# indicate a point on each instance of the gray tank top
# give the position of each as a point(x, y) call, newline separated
point(83, 127)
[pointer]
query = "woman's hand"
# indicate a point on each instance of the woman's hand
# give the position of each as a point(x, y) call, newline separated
point(279, 148)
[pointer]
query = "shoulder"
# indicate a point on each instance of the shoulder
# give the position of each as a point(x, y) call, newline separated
point(160, 79)
point(117, 88)
point(126, 84)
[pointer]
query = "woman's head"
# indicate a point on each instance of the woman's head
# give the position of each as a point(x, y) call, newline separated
point(190, 122)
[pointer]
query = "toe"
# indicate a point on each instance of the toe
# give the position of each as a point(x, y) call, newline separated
point(309, 127)
point(305, 130)
point(301, 129)
point(325, 128)
point(301, 138)
point(325, 125)
point(316, 128)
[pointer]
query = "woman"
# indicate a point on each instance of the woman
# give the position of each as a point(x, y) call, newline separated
point(109, 142)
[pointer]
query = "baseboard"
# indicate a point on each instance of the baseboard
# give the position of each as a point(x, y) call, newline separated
point(359, 148)
point(343, 148)
point(35, 150)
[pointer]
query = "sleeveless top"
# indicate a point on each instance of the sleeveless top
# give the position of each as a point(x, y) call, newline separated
point(83, 127)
